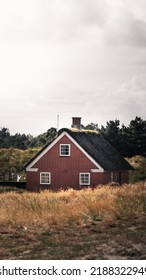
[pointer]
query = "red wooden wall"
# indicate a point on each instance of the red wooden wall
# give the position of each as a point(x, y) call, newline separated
point(65, 170)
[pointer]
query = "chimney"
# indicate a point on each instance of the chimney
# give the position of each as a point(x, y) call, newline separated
point(76, 122)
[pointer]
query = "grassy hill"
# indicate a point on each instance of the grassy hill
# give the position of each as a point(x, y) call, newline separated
point(12, 161)
point(139, 164)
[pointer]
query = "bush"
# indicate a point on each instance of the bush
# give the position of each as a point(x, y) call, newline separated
point(139, 164)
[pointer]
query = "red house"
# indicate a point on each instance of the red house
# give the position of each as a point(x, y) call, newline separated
point(76, 159)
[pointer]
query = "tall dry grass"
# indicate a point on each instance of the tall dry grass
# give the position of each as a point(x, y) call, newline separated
point(102, 203)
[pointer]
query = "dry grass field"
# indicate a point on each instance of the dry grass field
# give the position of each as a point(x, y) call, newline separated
point(102, 223)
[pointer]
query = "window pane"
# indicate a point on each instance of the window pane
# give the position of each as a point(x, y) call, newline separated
point(45, 178)
point(84, 179)
point(64, 150)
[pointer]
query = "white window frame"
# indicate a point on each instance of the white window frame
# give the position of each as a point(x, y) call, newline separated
point(64, 155)
point(49, 177)
point(80, 180)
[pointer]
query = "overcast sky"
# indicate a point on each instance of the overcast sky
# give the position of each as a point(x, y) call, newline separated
point(84, 58)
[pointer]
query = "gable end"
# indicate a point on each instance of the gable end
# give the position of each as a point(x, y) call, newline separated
point(29, 167)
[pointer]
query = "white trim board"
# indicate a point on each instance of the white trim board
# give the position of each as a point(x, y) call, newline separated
point(64, 133)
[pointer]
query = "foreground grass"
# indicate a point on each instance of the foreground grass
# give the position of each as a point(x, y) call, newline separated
point(103, 203)
point(102, 223)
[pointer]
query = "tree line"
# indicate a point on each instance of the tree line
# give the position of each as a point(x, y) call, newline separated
point(128, 140)
point(12, 161)
point(23, 141)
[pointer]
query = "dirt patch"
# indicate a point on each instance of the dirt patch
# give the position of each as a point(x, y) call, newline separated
point(123, 240)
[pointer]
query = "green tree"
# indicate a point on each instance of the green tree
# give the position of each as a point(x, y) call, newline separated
point(44, 138)
point(112, 133)
point(91, 126)
point(5, 141)
point(12, 161)
point(136, 137)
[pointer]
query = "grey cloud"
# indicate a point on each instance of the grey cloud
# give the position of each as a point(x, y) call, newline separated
point(61, 21)
point(138, 33)
point(133, 91)
point(92, 14)
point(131, 98)
point(76, 57)
point(135, 32)
point(73, 20)
point(50, 20)
point(126, 29)
point(124, 103)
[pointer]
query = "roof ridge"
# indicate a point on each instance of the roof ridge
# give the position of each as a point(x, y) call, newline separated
point(76, 130)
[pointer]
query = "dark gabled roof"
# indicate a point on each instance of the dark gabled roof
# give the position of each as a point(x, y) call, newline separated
point(95, 146)
point(99, 149)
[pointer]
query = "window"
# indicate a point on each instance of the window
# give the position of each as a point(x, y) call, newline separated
point(45, 178)
point(64, 149)
point(84, 179)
